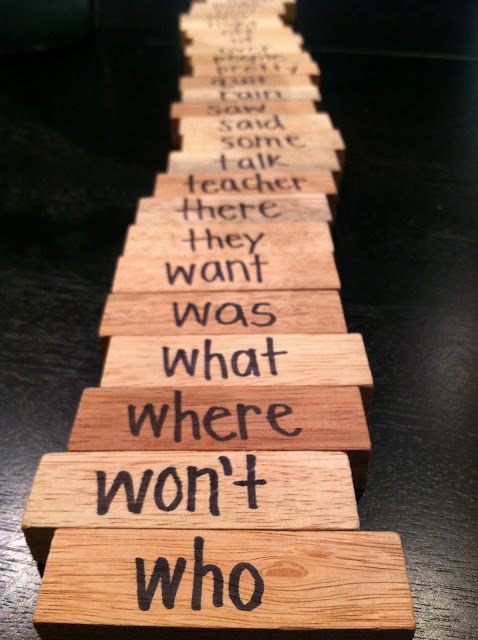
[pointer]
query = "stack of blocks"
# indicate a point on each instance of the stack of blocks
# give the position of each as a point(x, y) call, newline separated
point(210, 480)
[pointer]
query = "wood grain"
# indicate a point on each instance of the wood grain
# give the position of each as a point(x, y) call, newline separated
point(278, 269)
point(262, 183)
point(341, 585)
point(321, 419)
point(155, 314)
point(242, 238)
point(320, 158)
point(233, 209)
point(317, 360)
point(177, 490)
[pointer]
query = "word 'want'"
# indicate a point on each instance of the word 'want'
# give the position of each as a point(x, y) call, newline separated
point(243, 363)
point(168, 491)
point(170, 584)
point(216, 271)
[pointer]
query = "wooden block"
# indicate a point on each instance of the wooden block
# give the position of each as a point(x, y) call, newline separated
point(242, 36)
point(279, 270)
point(205, 47)
point(156, 314)
point(280, 91)
point(240, 238)
point(241, 58)
point(217, 21)
point(283, 69)
point(319, 158)
point(233, 210)
point(181, 110)
point(268, 183)
point(247, 81)
point(174, 490)
point(278, 418)
point(315, 360)
point(330, 585)
point(290, 138)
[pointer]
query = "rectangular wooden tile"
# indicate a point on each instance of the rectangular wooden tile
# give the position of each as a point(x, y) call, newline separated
point(244, 419)
point(206, 46)
point(241, 238)
point(217, 21)
point(260, 123)
point(335, 585)
point(320, 158)
point(280, 91)
point(234, 210)
point(261, 183)
point(174, 490)
point(155, 314)
point(316, 360)
point(246, 81)
point(282, 38)
point(283, 68)
point(181, 110)
point(258, 58)
point(278, 269)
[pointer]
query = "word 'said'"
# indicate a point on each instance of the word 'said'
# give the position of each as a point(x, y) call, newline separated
point(210, 480)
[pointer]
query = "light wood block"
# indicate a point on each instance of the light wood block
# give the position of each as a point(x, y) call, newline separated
point(217, 21)
point(279, 419)
point(284, 68)
point(258, 58)
point(262, 183)
point(181, 110)
point(280, 269)
point(336, 585)
point(246, 81)
point(256, 123)
point(315, 360)
point(243, 36)
point(279, 91)
point(241, 238)
point(232, 210)
point(320, 158)
point(174, 490)
point(156, 314)
point(259, 46)
point(287, 139)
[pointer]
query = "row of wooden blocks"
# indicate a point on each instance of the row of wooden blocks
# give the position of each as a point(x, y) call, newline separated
point(210, 480)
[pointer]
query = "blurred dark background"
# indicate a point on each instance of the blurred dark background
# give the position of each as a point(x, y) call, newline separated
point(84, 102)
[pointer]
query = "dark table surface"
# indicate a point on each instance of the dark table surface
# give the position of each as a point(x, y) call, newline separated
point(84, 130)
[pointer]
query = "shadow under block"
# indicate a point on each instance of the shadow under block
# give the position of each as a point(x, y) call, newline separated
point(233, 209)
point(156, 314)
point(331, 586)
point(281, 360)
point(318, 158)
point(269, 183)
point(246, 418)
point(243, 238)
point(282, 268)
point(175, 490)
